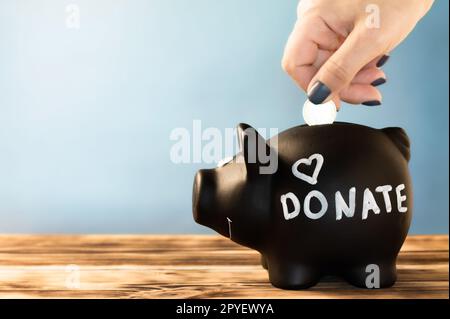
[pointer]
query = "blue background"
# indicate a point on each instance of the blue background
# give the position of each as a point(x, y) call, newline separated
point(86, 114)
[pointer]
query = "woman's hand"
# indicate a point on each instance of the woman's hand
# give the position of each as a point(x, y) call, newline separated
point(337, 46)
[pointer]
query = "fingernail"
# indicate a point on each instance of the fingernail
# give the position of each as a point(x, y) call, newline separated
point(372, 103)
point(378, 82)
point(318, 93)
point(382, 61)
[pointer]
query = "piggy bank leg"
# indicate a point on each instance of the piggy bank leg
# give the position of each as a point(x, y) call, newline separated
point(264, 261)
point(285, 275)
point(373, 275)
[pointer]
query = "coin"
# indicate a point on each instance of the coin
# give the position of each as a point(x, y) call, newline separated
point(319, 114)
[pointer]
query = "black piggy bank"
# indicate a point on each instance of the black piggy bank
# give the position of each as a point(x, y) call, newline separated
point(314, 200)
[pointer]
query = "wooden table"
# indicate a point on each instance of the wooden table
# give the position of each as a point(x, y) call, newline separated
point(186, 266)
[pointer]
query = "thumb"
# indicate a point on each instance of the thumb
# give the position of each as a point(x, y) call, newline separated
point(358, 49)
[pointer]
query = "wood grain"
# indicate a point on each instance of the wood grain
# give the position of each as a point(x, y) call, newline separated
point(186, 266)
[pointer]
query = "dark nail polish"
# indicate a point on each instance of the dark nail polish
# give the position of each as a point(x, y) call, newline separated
point(372, 103)
point(382, 61)
point(318, 93)
point(378, 82)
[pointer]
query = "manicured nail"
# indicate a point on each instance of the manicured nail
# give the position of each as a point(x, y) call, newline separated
point(371, 103)
point(318, 93)
point(382, 61)
point(378, 82)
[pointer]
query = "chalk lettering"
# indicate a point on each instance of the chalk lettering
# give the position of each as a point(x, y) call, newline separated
point(400, 198)
point(387, 201)
point(291, 203)
point(369, 203)
point(342, 207)
point(323, 203)
point(295, 202)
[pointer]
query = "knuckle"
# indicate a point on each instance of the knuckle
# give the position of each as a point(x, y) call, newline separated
point(337, 71)
point(288, 66)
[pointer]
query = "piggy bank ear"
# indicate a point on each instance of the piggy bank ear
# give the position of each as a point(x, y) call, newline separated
point(400, 139)
point(253, 146)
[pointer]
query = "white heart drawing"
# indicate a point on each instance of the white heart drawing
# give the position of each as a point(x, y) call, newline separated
point(308, 161)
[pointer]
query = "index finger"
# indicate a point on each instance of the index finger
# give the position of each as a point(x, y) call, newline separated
point(310, 36)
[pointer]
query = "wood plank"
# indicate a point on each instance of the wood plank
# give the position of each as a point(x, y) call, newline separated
point(187, 266)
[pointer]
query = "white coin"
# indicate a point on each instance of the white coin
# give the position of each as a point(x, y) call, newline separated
point(318, 114)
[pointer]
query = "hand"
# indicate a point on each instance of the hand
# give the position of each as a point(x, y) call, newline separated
point(337, 47)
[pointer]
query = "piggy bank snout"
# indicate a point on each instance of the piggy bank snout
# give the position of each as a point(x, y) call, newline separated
point(203, 195)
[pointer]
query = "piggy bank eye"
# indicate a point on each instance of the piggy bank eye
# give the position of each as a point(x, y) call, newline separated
point(224, 161)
